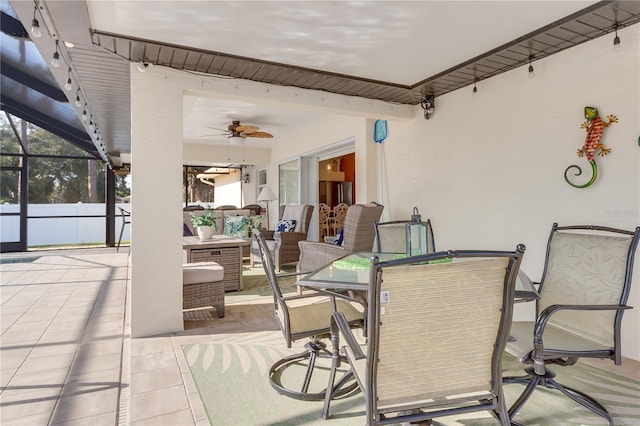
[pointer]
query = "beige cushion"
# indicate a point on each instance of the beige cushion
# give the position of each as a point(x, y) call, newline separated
point(201, 272)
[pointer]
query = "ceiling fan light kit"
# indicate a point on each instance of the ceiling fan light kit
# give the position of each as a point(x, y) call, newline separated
point(236, 140)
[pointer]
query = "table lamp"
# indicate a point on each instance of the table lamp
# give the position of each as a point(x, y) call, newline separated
point(267, 196)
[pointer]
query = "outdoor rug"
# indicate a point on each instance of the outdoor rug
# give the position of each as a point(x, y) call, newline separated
point(231, 377)
point(255, 285)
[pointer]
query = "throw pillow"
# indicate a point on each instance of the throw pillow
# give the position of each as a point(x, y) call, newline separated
point(236, 226)
point(186, 232)
point(339, 237)
point(286, 225)
point(255, 222)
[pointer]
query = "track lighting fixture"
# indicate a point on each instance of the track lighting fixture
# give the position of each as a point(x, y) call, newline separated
point(531, 74)
point(143, 66)
point(474, 92)
point(55, 60)
point(428, 105)
point(78, 102)
point(616, 40)
point(68, 85)
point(35, 25)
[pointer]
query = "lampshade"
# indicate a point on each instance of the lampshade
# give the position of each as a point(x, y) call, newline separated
point(266, 194)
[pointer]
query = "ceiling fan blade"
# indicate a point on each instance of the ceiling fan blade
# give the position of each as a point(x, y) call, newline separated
point(259, 135)
point(215, 134)
point(219, 129)
point(246, 129)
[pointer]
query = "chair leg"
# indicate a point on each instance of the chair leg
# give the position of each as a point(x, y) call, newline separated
point(548, 380)
point(314, 350)
point(120, 238)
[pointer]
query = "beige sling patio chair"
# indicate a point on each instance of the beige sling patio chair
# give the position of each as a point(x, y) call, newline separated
point(583, 295)
point(391, 237)
point(436, 335)
point(299, 317)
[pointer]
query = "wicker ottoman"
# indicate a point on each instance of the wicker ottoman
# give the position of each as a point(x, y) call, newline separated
point(203, 286)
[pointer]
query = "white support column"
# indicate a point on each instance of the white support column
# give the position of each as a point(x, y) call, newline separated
point(156, 187)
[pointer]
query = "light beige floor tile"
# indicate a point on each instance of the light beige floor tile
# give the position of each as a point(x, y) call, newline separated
point(157, 403)
point(91, 364)
point(148, 345)
point(155, 379)
point(13, 358)
point(83, 405)
point(182, 417)
point(48, 363)
point(153, 361)
point(20, 402)
point(30, 418)
point(106, 419)
point(91, 382)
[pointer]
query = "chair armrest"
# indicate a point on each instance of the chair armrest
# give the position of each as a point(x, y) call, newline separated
point(339, 322)
point(315, 255)
point(545, 315)
point(267, 234)
point(543, 319)
point(290, 238)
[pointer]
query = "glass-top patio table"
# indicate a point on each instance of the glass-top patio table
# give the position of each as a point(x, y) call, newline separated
point(352, 273)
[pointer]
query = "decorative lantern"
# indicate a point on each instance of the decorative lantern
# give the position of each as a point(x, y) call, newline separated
point(416, 235)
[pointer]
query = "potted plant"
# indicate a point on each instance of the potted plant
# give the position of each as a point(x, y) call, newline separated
point(205, 224)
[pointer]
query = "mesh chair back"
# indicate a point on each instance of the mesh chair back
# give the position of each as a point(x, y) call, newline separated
point(439, 329)
point(281, 312)
point(359, 233)
point(586, 268)
point(391, 237)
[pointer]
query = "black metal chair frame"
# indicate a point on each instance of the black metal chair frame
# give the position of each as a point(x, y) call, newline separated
point(440, 406)
point(313, 350)
point(126, 219)
point(539, 373)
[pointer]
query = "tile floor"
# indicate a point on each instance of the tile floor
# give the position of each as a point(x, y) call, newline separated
point(66, 357)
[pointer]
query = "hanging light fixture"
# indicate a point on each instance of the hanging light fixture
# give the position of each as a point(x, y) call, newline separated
point(92, 125)
point(35, 25)
point(616, 40)
point(236, 140)
point(84, 112)
point(68, 85)
point(428, 105)
point(474, 92)
point(78, 102)
point(55, 60)
point(531, 74)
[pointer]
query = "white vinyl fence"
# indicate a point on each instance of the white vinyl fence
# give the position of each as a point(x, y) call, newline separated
point(61, 230)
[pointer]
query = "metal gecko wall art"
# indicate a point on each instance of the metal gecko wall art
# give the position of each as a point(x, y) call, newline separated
point(595, 127)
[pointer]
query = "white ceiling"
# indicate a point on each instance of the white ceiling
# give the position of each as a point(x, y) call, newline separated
point(396, 41)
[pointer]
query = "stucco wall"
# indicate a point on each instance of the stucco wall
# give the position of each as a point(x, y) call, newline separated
point(488, 170)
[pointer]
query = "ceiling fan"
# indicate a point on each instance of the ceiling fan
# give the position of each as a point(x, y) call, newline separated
point(237, 132)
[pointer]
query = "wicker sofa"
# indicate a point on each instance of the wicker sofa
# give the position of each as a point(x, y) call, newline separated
point(237, 222)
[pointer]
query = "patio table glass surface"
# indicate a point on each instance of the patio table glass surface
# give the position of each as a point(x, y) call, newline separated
point(351, 272)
